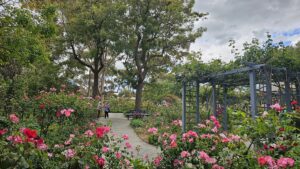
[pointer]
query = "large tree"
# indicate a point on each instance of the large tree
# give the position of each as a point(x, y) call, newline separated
point(23, 39)
point(156, 34)
point(90, 31)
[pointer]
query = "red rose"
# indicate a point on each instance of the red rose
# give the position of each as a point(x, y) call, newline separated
point(42, 106)
point(30, 133)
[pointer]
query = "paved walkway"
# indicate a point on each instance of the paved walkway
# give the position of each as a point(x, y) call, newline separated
point(120, 125)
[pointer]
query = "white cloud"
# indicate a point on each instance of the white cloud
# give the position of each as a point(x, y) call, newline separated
point(243, 20)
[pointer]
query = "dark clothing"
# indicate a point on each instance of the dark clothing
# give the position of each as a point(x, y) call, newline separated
point(106, 110)
point(106, 114)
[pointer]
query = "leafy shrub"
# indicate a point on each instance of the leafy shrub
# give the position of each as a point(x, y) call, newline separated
point(153, 139)
point(136, 123)
point(270, 137)
point(24, 145)
point(121, 105)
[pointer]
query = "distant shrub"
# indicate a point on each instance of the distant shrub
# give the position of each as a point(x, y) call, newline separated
point(137, 123)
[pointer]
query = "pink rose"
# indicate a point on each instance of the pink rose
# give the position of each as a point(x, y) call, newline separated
point(105, 149)
point(216, 166)
point(157, 161)
point(118, 155)
point(173, 137)
point(42, 146)
point(14, 118)
point(276, 107)
point(152, 130)
point(3, 131)
point(285, 162)
point(128, 145)
point(69, 153)
point(184, 154)
point(88, 133)
point(173, 144)
point(125, 137)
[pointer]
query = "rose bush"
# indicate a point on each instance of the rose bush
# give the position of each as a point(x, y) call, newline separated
point(269, 141)
point(97, 147)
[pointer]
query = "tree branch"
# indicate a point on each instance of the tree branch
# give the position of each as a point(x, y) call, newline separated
point(76, 57)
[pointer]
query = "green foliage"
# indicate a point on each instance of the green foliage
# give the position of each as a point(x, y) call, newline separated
point(135, 123)
point(120, 104)
point(153, 139)
point(153, 36)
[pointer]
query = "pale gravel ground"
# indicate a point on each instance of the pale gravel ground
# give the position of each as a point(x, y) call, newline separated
point(120, 126)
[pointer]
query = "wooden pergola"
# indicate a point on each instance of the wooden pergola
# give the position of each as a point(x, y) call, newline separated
point(244, 76)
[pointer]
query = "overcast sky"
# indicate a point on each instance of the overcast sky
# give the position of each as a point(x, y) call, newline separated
point(243, 20)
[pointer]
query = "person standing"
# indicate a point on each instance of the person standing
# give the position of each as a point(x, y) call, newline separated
point(106, 110)
point(99, 107)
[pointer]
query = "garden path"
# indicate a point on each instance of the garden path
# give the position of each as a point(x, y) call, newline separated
point(120, 126)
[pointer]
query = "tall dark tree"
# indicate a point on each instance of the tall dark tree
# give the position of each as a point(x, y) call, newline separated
point(155, 34)
point(90, 31)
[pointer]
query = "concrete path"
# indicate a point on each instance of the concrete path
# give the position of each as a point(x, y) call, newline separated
point(120, 125)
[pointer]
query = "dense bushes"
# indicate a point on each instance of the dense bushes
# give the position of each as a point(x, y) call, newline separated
point(54, 130)
point(269, 141)
point(136, 123)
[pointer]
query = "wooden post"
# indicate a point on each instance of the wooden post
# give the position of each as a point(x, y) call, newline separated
point(268, 89)
point(197, 102)
point(225, 118)
point(297, 91)
point(213, 104)
point(183, 105)
point(252, 81)
point(287, 93)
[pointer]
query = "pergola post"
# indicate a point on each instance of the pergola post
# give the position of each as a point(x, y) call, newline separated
point(183, 105)
point(287, 93)
point(297, 91)
point(225, 118)
point(213, 102)
point(252, 81)
point(268, 89)
point(197, 102)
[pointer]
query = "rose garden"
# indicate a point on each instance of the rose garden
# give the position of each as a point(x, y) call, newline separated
point(166, 107)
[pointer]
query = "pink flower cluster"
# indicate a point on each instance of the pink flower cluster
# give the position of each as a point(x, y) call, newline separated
point(128, 145)
point(189, 136)
point(125, 137)
point(14, 118)
point(205, 157)
point(100, 161)
point(101, 131)
point(157, 161)
point(283, 162)
point(216, 166)
point(276, 107)
point(3, 131)
point(15, 139)
point(88, 133)
point(153, 130)
point(68, 142)
point(70, 153)
point(66, 112)
point(105, 149)
point(215, 121)
point(185, 154)
point(177, 123)
point(231, 138)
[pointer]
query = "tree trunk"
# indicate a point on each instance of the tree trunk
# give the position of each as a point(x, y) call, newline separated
point(96, 84)
point(138, 95)
point(89, 84)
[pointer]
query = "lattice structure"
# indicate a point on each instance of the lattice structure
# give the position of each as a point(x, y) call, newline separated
point(266, 85)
